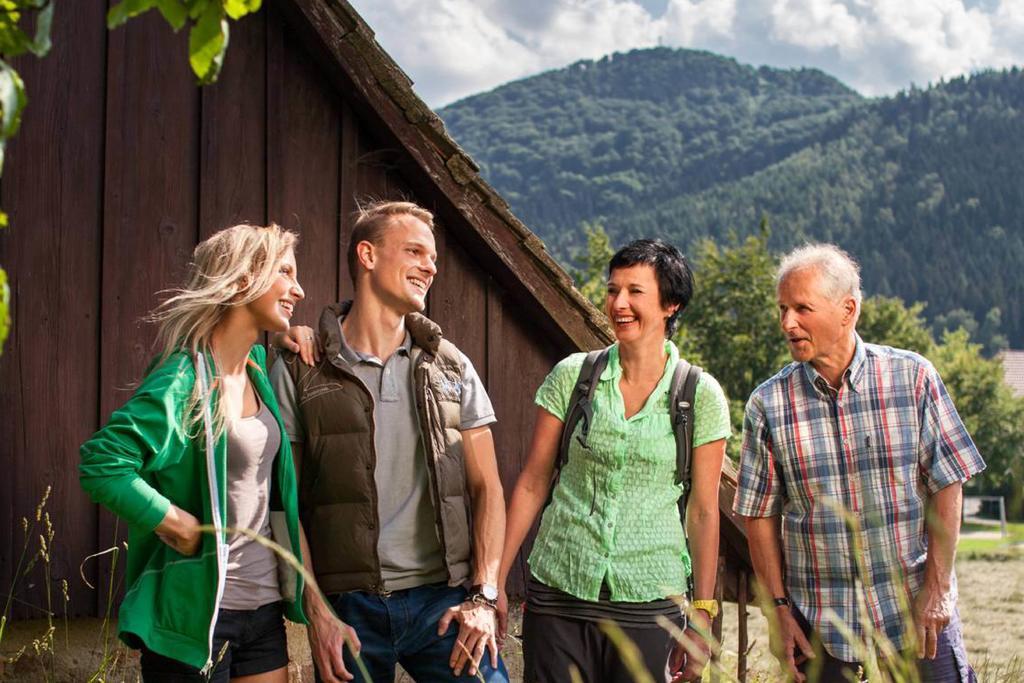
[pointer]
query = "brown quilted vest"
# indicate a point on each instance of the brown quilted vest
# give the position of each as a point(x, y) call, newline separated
point(337, 492)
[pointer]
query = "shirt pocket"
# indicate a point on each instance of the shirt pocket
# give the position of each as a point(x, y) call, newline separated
point(808, 467)
point(888, 466)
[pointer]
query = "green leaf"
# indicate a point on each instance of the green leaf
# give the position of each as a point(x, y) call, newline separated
point(174, 12)
point(41, 45)
point(12, 100)
point(127, 9)
point(207, 43)
point(236, 9)
point(5, 302)
point(197, 8)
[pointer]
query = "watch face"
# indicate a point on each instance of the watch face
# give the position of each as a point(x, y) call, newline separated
point(488, 591)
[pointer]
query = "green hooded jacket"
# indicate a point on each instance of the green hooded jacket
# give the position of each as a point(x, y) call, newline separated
point(144, 460)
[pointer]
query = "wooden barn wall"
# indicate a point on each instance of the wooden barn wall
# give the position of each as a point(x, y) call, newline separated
point(121, 166)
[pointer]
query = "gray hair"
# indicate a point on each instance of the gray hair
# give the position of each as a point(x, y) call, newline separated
point(840, 274)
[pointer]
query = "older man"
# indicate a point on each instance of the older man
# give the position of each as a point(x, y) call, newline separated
point(859, 451)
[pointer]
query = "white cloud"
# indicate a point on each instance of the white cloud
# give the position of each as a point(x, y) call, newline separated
point(454, 48)
point(815, 24)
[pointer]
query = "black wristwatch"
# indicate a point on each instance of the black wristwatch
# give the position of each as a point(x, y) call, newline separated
point(484, 594)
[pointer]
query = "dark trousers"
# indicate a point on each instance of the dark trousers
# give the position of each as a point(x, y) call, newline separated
point(401, 628)
point(949, 666)
point(553, 645)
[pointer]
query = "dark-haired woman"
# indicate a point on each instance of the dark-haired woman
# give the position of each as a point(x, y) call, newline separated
point(610, 544)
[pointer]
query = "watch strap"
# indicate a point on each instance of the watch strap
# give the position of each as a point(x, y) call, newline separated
point(478, 598)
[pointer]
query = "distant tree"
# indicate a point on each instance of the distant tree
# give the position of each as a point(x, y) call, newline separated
point(993, 416)
point(732, 319)
point(886, 320)
point(591, 272)
point(953, 320)
point(731, 325)
point(990, 335)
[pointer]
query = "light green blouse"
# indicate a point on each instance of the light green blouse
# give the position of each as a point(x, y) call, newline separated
point(614, 514)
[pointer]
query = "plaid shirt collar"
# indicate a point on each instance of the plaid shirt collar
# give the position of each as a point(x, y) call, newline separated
point(853, 376)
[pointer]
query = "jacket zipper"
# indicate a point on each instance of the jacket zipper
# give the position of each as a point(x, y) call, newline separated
point(427, 435)
point(213, 490)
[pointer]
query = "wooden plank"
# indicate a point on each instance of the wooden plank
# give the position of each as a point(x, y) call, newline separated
point(734, 534)
point(458, 301)
point(150, 202)
point(303, 150)
point(233, 168)
point(742, 616)
point(517, 362)
point(347, 183)
point(716, 624)
point(51, 251)
point(375, 163)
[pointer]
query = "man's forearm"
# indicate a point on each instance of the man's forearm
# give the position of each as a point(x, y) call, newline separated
point(766, 553)
point(488, 500)
point(943, 524)
point(488, 533)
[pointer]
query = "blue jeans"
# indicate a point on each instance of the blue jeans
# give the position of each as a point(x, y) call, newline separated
point(401, 628)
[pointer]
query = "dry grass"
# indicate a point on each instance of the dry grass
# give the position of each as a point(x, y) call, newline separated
point(991, 605)
point(991, 608)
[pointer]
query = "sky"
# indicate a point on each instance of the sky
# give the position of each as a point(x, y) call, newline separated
point(455, 48)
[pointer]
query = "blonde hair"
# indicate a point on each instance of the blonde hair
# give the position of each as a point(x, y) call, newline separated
point(235, 266)
point(371, 222)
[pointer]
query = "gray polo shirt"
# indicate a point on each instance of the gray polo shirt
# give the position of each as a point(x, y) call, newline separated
point(409, 548)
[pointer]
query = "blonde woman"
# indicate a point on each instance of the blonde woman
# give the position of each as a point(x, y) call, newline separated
point(200, 444)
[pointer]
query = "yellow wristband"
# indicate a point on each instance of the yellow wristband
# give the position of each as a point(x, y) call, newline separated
point(709, 606)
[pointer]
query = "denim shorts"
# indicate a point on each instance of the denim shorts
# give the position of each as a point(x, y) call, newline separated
point(245, 642)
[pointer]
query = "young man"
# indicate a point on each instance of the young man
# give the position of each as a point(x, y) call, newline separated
point(390, 431)
point(860, 451)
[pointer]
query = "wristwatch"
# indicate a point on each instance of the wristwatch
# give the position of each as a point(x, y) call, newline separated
point(484, 594)
point(709, 606)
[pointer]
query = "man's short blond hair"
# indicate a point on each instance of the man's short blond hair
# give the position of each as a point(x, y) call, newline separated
point(373, 219)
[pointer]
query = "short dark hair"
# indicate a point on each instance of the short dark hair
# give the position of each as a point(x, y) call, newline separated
point(371, 222)
point(675, 279)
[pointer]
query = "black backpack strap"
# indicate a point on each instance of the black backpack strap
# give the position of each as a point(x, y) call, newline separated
point(681, 395)
point(581, 407)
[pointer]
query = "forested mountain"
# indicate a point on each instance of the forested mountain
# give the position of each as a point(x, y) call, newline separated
point(926, 188)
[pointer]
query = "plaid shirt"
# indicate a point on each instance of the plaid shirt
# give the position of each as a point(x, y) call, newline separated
point(850, 472)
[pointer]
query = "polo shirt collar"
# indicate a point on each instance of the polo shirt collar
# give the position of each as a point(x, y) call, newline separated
point(354, 357)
